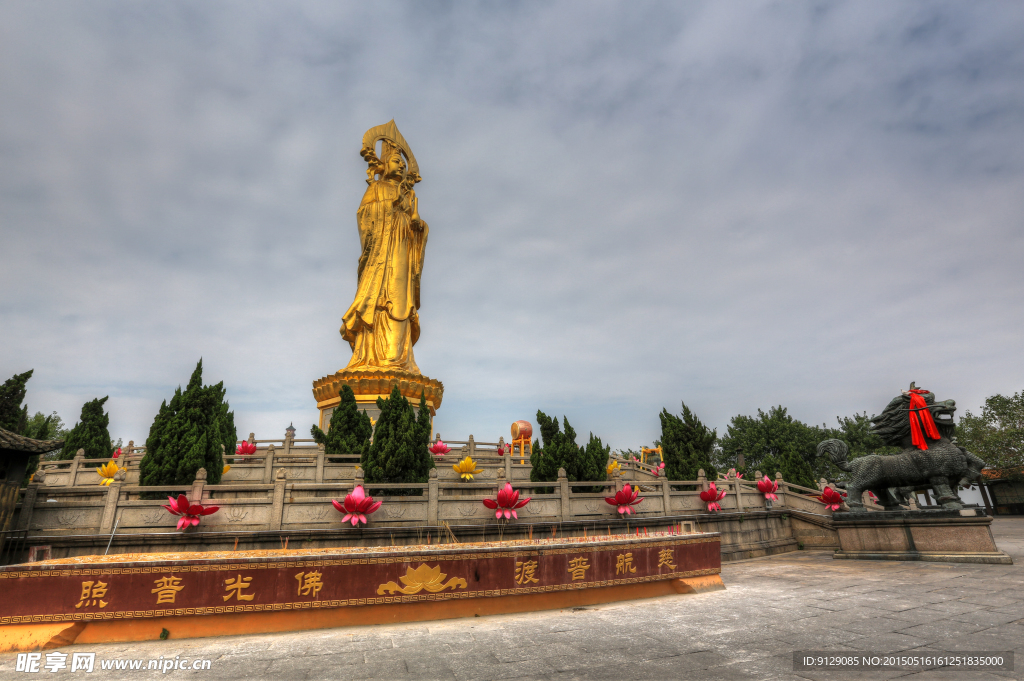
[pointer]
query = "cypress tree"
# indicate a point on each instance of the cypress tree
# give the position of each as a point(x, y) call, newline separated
point(561, 451)
point(350, 429)
point(686, 446)
point(13, 416)
point(187, 435)
point(90, 433)
point(399, 451)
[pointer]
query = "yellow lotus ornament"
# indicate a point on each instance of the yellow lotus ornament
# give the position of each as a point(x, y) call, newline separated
point(107, 472)
point(226, 469)
point(467, 468)
point(613, 466)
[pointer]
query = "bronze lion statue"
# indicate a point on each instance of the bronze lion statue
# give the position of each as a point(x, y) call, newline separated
point(939, 463)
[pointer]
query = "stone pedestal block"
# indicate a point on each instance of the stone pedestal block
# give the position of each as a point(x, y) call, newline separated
point(957, 536)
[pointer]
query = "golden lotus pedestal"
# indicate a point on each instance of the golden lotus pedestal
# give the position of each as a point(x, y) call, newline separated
point(370, 384)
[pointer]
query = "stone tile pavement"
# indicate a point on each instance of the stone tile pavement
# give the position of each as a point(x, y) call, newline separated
point(772, 606)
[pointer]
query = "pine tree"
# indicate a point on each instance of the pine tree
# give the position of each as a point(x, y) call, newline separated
point(13, 416)
point(774, 442)
point(187, 435)
point(90, 433)
point(350, 429)
point(399, 451)
point(686, 446)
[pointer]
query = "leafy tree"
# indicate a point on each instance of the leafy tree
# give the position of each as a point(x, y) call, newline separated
point(774, 441)
point(187, 435)
point(13, 415)
point(90, 433)
point(687, 446)
point(996, 434)
point(350, 429)
point(399, 451)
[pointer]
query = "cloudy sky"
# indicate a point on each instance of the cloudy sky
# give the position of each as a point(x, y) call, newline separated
point(633, 204)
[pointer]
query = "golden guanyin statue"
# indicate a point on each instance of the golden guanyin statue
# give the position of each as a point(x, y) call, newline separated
point(382, 324)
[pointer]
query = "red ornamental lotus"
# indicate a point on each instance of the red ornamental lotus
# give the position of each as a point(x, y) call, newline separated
point(712, 496)
point(190, 513)
point(658, 469)
point(246, 448)
point(507, 503)
point(625, 499)
point(357, 506)
point(502, 449)
point(117, 453)
point(831, 498)
point(439, 448)
point(768, 488)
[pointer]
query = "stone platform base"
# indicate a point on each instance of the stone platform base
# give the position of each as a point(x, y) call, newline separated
point(96, 599)
point(950, 536)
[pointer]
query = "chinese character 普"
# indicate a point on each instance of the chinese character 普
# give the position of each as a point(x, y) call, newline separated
point(166, 589)
point(578, 568)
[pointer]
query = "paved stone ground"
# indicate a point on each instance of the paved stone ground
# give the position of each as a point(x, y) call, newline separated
point(772, 606)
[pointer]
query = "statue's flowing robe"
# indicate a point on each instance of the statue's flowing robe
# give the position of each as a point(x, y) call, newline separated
point(382, 324)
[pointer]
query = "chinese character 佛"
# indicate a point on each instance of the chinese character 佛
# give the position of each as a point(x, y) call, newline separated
point(235, 586)
point(578, 568)
point(624, 563)
point(525, 572)
point(166, 589)
point(92, 593)
point(665, 558)
point(309, 583)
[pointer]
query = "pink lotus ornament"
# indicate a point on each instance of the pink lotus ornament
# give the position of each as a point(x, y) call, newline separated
point(190, 513)
point(625, 499)
point(507, 503)
point(712, 496)
point(768, 488)
point(831, 498)
point(503, 448)
point(246, 448)
point(658, 469)
point(117, 453)
point(439, 448)
point(357, 506)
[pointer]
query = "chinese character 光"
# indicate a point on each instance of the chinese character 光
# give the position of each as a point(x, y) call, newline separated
point(166, 589)
point(624, 563)
point(235, 586)
point(578, 568)
point(525, 572)
point(92, 593)
point(665, 558)
point(309, 583)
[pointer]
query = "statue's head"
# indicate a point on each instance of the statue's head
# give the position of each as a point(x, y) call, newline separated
point(393, 165)
point(893, 424)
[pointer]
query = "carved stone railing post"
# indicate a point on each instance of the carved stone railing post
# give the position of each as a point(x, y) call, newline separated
point(289, 435)
point(196, 495)
point(739, 494)
point(268, 465)
point(563, 488)
point(472, 446)
point(431, 497)
point(703, 480)
point(110, 505)
point(277, 510)
point(782, 491)
point(75, 465)
point(617, 477)
point(508, 466)
point(666, 495)
point(28, 502)
point(320, 457)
